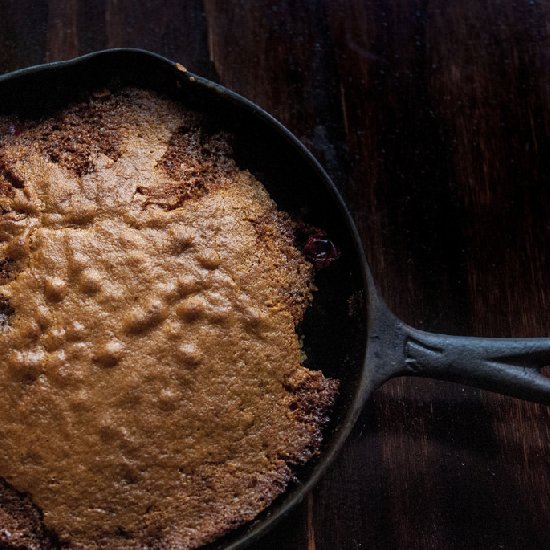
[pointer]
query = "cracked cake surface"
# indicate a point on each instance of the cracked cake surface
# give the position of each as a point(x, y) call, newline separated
point(152, 387)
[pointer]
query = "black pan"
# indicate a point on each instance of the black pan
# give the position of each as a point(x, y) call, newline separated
point(349, 333)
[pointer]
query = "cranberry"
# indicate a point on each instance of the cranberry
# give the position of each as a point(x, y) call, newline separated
point(14, 130)
point(320, 250)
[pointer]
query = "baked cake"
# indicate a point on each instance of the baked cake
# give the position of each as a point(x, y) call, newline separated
point(152, 389)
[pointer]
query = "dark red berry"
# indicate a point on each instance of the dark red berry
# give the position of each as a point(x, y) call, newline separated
point(12, 129)
point(320, 250)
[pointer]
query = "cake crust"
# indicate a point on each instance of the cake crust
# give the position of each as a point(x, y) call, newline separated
point(153, 389)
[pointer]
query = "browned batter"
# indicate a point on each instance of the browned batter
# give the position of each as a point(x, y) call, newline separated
point(152, 393)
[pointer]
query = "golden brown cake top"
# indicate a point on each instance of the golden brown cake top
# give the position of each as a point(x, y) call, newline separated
point(151, 381)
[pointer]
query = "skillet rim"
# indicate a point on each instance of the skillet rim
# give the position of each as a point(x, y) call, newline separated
point(293, 496)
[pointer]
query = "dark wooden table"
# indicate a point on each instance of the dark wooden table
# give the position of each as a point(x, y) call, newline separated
point(434, 120)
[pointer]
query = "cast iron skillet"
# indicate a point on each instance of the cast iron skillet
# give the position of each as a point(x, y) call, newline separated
point(349, 332)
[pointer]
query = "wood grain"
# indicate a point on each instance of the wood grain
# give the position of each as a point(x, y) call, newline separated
point(433, 118)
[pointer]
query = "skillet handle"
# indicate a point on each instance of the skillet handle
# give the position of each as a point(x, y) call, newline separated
point(509, 366)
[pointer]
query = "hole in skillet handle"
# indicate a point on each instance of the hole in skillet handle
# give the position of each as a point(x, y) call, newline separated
point(334, 326)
